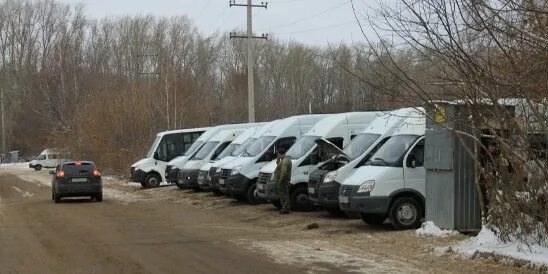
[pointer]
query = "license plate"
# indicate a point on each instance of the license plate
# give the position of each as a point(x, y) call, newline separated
point(222, 182)
point(343, 199)
point(79, 180)
point(260, 187)
point(311, 190)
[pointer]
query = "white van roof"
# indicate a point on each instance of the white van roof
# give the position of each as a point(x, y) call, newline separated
point(393, 120)
point(188, 130)
point(327, 124)
point(280, 126)
point(414, 124)
point(226, 134)
point(248, 133)
point(214, 130)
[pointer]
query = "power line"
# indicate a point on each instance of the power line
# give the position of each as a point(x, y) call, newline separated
point(315, 29)
point(311, 16)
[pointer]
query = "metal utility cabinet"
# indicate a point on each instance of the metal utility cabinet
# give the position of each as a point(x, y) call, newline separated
point(451, 197)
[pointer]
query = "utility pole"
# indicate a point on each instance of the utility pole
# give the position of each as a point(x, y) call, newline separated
point(3, 121)
point(249, 36)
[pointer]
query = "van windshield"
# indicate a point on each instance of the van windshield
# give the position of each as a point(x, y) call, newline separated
point(227, 151)
point(197, 145)
point(243, 147)
point(259, 146)
point(302, 146)
point(153, 147)
point(41, 157)
point(360, 144)
point(392, 152)
point(205, 150)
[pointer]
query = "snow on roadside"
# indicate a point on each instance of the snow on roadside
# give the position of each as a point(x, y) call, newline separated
point(486, 242)
point(430, 229)
point(16, 165)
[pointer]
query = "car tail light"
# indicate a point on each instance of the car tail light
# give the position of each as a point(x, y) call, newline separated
point(96, 172)
point(61, 173)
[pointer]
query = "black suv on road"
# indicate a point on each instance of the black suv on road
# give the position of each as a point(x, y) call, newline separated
point(76, 179)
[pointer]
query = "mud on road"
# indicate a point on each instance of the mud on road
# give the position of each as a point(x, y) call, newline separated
point(167, 230)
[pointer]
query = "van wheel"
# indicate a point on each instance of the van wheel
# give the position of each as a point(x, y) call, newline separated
point(373, 219)
point(251, 195)
point(152, 181)
point(336, 212)
point(277, 204)
point(405, 213)
point(143, 185)
point(37, 167)
point(299, 199)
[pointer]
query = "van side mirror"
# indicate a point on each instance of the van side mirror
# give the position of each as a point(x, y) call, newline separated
point(412, 161)
point(51, 172)
point(156, 155)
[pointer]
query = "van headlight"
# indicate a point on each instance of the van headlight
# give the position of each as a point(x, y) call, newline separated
point(236, 170)
point(330, 177)
point(219, 169)
point(367, 186)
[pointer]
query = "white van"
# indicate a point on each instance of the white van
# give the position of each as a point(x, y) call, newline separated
point(240, 175)
point(215, 170)
point(167, 145)
point(392, 183)
point(204, 177)
point(49, 158)
point(338, 129)
point(324, 182)
point(173, 167)
point(188, 176)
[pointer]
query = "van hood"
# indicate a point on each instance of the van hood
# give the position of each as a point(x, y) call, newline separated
point(239, 161)
point(206, 167)
point(365, 173)
point(141, 162)
point(269, 168)
point(193, 164)
point(330, 149)
point(179, 161)
point(223, 161)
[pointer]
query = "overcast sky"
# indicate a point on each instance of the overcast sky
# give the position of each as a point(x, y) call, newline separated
point(318, 22)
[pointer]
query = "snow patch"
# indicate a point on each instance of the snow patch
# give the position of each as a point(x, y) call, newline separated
point(319, 257)
point(16, 165)
point(430, 229)
point(487, 242)
point(28, 194)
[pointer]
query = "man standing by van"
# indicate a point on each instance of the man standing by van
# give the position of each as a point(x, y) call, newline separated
point(282, 175)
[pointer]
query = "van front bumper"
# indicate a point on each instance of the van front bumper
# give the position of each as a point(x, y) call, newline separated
point(236, 185)
point(328, 195)
point(189, 178)
point(368, 204)
point(268, 190)
point(138, 175)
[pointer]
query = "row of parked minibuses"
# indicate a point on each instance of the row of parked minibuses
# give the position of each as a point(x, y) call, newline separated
point(369, 163)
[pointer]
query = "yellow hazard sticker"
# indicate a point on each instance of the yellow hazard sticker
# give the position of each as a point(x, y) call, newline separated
point(440, 115)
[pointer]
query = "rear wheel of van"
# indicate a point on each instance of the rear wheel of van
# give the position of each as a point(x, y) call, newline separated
point(373, 219)
point(336, 212)
point(299, 199)
point(277, 204)
point(251, 194)
point(405, 213)
point(37, 167)
point(152, 180)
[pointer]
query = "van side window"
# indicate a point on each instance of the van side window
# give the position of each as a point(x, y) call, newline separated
point(353, 136)
point(220, 149)
point(417, 155)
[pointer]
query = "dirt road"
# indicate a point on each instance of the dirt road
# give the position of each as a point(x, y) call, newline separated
point(170, 231)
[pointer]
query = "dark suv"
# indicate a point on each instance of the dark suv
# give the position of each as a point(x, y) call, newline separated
point(76, 179)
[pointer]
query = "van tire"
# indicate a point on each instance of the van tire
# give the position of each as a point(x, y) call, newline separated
point(299, 199)
point(336, 212)
point(405, 213)
point(143, 185)
point(251, 196)
point(152, 181)
point(373, 219)
point(37, 167)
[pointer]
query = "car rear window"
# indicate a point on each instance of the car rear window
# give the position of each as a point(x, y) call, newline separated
point(77, 168)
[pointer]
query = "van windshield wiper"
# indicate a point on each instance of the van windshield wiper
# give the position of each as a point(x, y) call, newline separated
point(378, 162)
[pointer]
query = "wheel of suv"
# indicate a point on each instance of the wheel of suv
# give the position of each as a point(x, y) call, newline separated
point(277, 204)
point(299, 199)
point(373, 219)
point(99, 197)
point(405, 213)
point(56, 198)
point(251, 195)
point(152, 180)
point(37, 167)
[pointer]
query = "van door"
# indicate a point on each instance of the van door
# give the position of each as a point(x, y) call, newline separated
point(414, 174)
